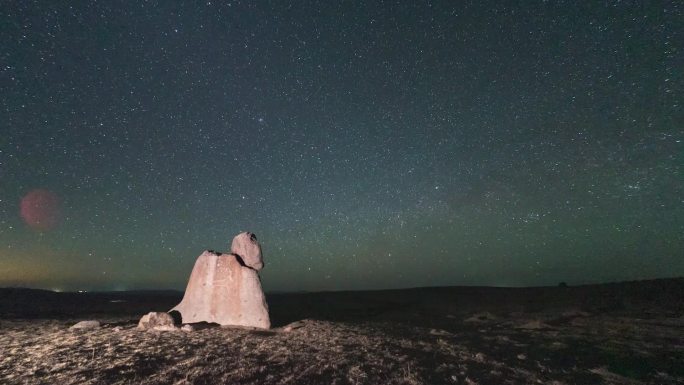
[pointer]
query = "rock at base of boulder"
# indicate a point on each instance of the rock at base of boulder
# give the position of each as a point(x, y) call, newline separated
point(187, 328)
point(294, 325)
point(157, 321)
point(86, 325)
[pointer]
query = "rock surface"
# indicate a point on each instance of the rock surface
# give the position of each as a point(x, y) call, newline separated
point(224, 291)
point(90, 324)
point(187, 328)
point(246, 246)
point(157, 321)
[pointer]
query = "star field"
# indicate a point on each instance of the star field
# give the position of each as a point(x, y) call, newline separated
point(367, 144)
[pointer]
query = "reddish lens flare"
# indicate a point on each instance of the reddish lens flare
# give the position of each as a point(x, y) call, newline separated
point(40, 209)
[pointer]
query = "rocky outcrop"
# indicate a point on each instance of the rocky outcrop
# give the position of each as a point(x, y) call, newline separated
point(226, 289)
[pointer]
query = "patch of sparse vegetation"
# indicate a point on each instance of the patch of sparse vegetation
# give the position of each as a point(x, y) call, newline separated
point(486, 341)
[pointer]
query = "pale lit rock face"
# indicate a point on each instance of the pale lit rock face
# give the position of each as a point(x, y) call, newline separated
point(246, 246)
point(223, 291)
point(157, 321)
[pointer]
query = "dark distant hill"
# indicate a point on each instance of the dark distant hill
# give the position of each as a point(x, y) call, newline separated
point(643, 298)
point(35, 303)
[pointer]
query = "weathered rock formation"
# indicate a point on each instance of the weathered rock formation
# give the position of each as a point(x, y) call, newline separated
point(225, 288)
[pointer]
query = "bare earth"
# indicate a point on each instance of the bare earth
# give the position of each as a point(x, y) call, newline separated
point(628, 333)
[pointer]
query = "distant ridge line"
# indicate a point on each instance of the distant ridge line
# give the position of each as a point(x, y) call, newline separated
point(678, 279)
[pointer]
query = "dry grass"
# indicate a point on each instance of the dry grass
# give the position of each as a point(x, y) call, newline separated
point(583, 350)
point(421, 345)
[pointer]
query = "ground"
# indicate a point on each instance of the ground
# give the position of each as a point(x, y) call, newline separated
point(628, 333)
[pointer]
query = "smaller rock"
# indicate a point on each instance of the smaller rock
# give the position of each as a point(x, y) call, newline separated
point(294, 325)
point(533, 325)
point(481, 317)
point(157, 321)
point(187, 328)
point(246, 246)
point(439, 332)
point(521, 356)
point(86, 325)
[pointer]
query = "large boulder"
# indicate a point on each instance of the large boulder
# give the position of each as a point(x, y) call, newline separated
point(223, 289)
point(246, 246)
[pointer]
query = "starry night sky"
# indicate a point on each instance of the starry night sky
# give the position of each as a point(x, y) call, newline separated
point(367, 144)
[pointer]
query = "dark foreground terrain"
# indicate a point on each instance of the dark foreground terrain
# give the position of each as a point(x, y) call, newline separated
point(624, 333)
